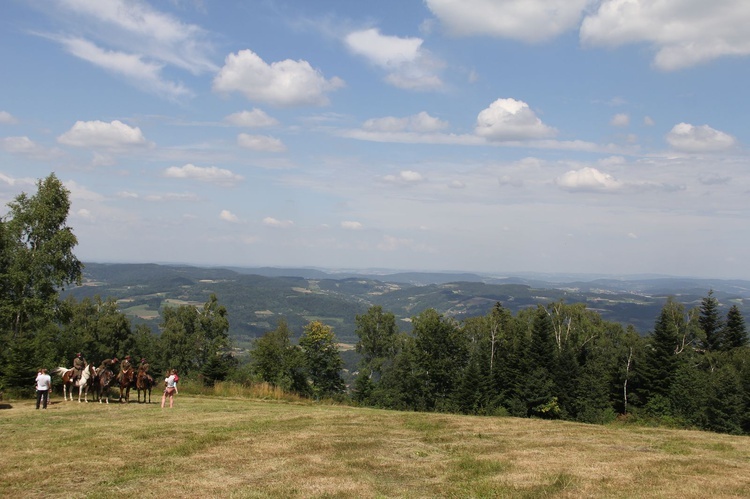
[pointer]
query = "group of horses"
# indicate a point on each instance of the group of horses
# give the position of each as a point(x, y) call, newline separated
point(100, 381)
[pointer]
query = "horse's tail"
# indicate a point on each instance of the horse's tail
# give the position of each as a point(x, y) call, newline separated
point(60, 371)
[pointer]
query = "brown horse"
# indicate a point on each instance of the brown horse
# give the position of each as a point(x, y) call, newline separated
point(144, 383)
point(127, 380)
point(85, 382)
point(104, 382)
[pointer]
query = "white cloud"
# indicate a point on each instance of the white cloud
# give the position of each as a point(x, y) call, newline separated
point(209, 174)
point(350, 225)
point(588, 179)
point(648, 121)
point(113, 135)
point(262, 143)
point(421, 122)
point(510, 119)
point(284, 83)
point(7, 119)
point(404, 177)
point(251, 119)
point(228, 216)
point(144, 75)
point(525, 20)
point(27, 147)
point(13, 182)
point(689, 138)
point(406, 63)
point(620, 119)
point(281, 224)
point(683, 32)
point(457, 184)
point(135, 26)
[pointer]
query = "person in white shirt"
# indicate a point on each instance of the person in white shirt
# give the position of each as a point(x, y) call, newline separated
point(170, 388)
point(43, 387)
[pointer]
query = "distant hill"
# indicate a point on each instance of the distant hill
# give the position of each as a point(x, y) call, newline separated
point(257, 298)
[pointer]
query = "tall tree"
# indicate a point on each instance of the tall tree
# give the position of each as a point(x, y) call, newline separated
point(36, 262)
point(710, 323)
point(441, 353)
point(735, 333)
point(377, 333)
point(322, 359)
point(277, 361)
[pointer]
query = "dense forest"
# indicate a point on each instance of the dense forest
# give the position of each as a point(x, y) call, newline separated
point(549, 360)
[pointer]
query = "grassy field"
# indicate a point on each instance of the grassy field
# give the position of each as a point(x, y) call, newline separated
point(234, 447)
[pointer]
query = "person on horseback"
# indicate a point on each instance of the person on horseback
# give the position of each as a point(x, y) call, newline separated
point(144, 367)
point(108, 363)
point(125, 366)
point(78, 364)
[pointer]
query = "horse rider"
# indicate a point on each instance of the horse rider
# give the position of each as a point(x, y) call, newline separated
point(79, 363)
point(144, 367)
point(108, 363)
point(125, 366)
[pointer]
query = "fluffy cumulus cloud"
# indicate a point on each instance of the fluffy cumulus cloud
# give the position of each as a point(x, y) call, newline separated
point(276, 223)
point(112, 135)
point(284, 83)
point(262, 143)
point(228, 216)
point(421, 122)
point(510, 119)
point(525, 20)
point(683, 32)
point(209, 174)
point(24, 146)
point(689, 138)
point(7, 119)
point(407, 64)
point(256, 118)
point(588, 179)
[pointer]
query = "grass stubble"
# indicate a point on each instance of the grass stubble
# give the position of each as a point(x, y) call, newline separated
point(235, 447)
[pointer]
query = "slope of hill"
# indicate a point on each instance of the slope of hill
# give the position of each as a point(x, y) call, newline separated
point(257, 302)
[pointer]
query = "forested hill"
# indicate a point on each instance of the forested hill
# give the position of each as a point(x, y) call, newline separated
point(256, 298)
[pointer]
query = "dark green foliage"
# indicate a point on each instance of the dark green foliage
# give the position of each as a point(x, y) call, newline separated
point(277, 361)
point(710, 323)
point(735, 333)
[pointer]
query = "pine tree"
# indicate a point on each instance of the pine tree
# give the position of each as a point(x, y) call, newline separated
point(710, 323)
point(735, 333)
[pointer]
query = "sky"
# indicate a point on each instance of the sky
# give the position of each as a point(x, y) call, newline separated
point(493, 136)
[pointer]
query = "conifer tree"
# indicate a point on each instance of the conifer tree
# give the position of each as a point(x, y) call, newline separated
point(735, 333)
point(710, 323)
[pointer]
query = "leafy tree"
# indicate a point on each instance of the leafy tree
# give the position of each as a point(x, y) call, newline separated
point(322, 359)
point(377, 333)
point(277, 361)
point(441, 353)
point(191, 336)
point(36, 262)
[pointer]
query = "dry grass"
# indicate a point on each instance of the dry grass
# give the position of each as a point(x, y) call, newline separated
point(234, 447)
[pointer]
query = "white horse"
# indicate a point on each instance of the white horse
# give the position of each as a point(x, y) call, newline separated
point(83, 383)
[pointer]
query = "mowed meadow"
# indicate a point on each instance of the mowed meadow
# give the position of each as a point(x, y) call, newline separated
point(211, 446)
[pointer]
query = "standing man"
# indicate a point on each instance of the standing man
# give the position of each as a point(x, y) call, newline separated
point(43, 387)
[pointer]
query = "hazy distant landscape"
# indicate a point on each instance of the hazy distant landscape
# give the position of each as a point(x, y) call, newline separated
point(256, 298)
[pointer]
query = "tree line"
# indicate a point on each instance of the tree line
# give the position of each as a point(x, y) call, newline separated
point(555, 360)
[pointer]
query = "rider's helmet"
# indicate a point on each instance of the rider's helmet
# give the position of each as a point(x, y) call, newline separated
point(143, 361)
point(78, 354)
point(115, 360)
point(127, 357)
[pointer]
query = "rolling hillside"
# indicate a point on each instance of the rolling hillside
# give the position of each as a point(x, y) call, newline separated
point(257, 298)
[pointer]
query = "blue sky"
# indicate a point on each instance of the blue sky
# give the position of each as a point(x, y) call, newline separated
point(494, 136)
